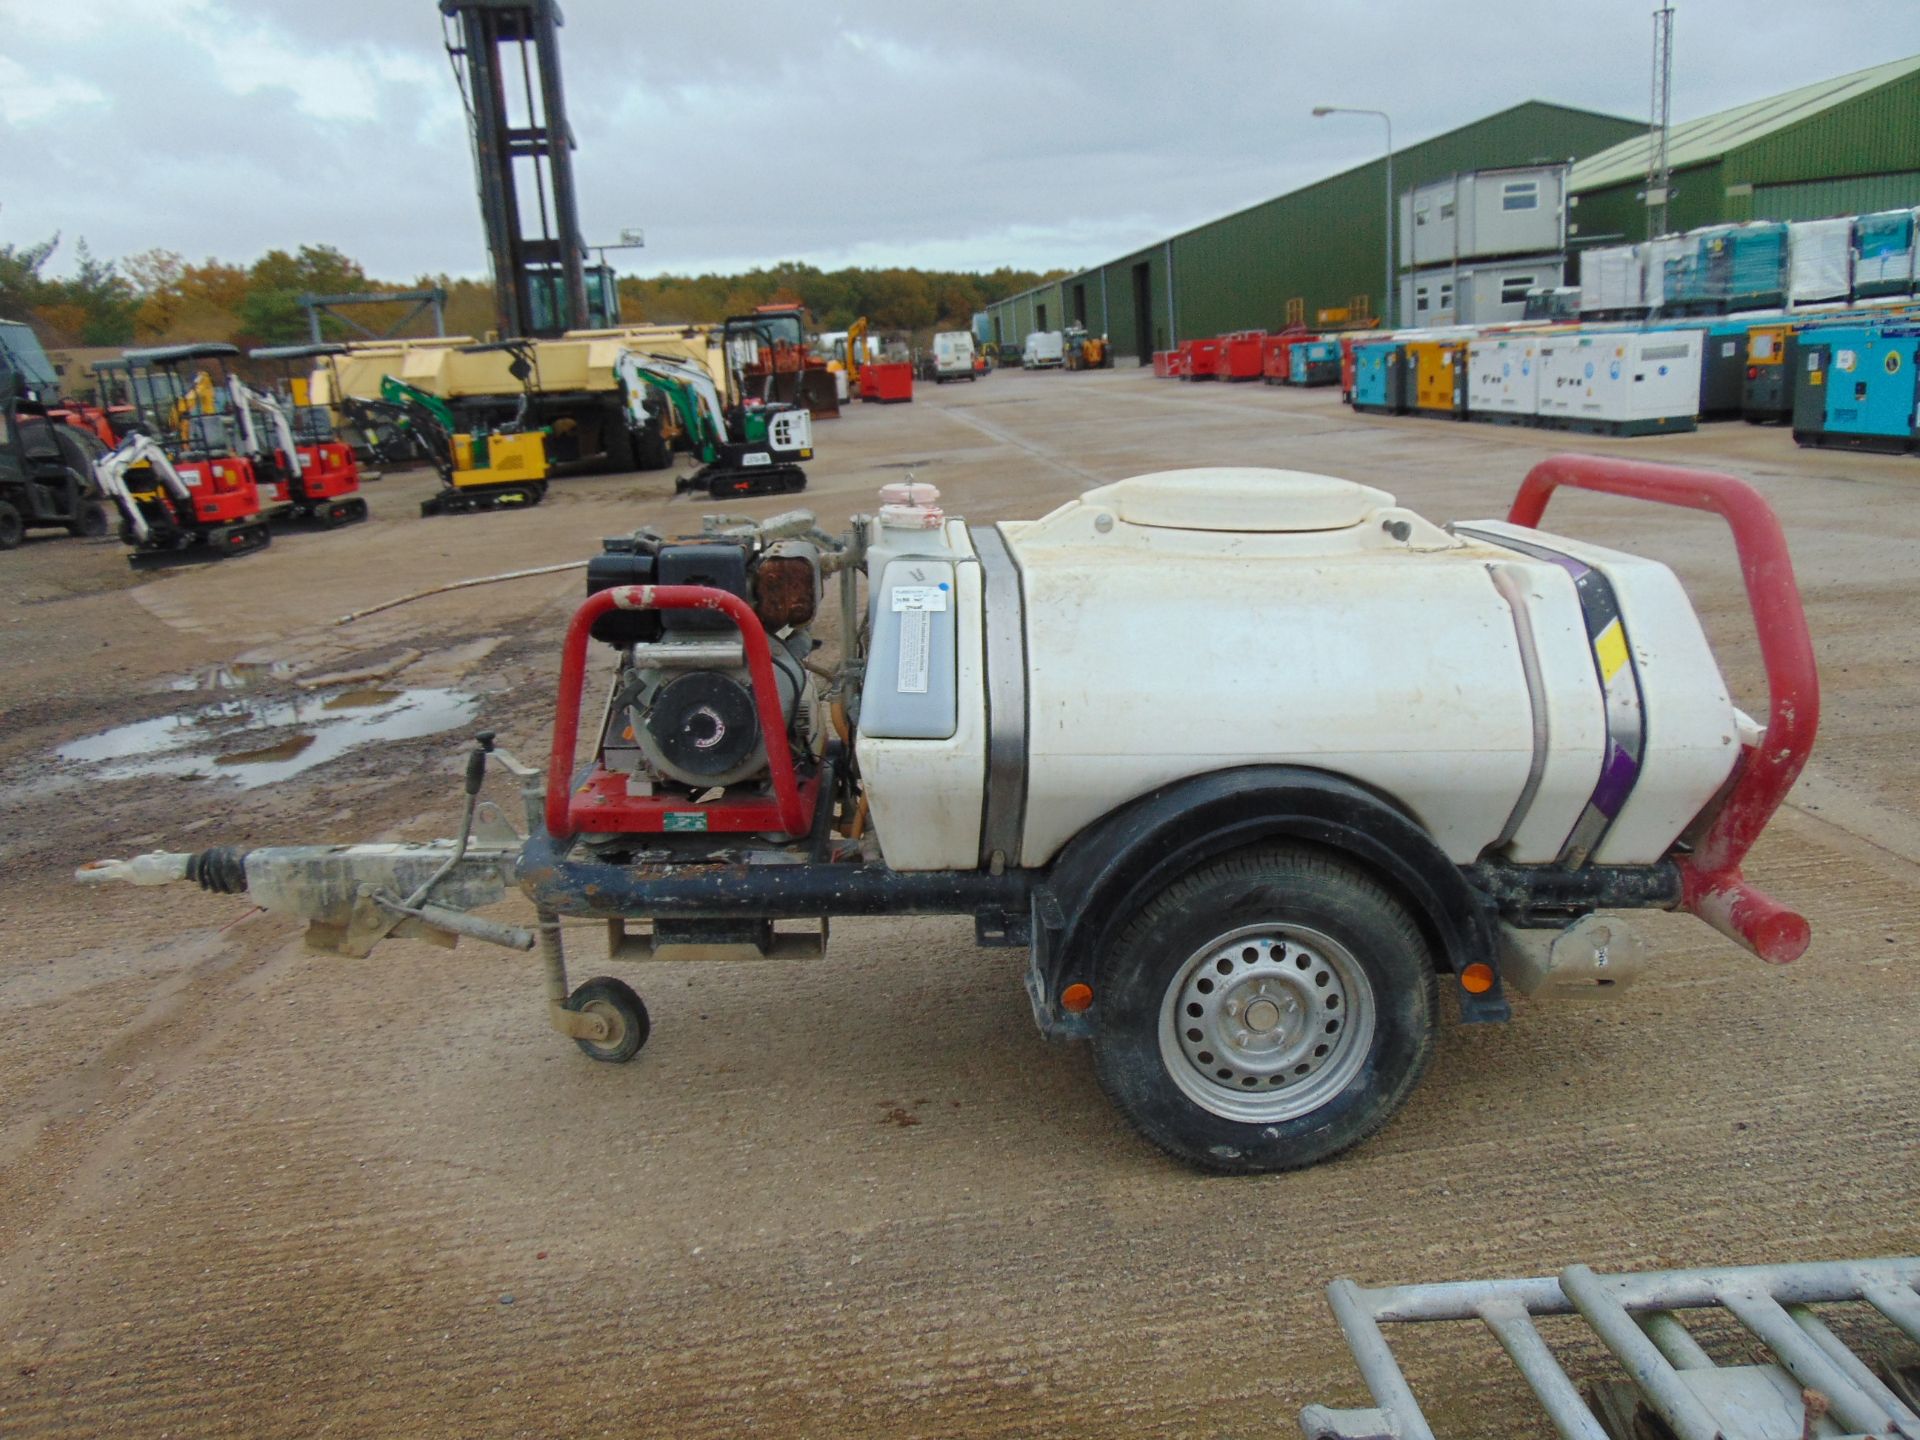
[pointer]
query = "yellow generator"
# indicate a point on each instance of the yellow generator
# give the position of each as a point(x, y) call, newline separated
point(1766, 394)
point(1438, 369)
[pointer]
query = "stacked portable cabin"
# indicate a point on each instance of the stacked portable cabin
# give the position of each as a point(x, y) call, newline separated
point(1473, 245)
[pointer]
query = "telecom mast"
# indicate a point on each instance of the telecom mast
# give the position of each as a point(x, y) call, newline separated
point(1659, 172)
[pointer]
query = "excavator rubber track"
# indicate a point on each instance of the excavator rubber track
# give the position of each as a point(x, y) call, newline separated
point(726, 483)
point(332, 514)
point(473, 499)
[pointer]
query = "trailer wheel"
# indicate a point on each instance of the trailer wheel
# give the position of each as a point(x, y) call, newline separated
point(613, 1001)
point(1265, 1012)
point(12, 528)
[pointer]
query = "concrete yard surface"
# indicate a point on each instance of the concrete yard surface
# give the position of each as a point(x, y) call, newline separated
point(249, 1190)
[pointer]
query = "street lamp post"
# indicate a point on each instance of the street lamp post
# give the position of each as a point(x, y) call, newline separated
point(1388, 298)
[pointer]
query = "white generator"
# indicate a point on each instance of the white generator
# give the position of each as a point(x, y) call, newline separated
point(1621, 383)
point(1503, 379)
point(1255, 765)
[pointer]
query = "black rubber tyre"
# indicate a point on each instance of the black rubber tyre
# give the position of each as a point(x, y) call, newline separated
point(91, 523)
point(620, 450)
point(1314, 906)
point(655, 450)
point(12, 528)
point(615, 1002)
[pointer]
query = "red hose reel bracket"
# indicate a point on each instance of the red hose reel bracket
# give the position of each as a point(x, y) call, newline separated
point(1712, 885)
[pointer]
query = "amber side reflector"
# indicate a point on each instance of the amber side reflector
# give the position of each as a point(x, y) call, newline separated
point(1077, 997)
point(1477, 978)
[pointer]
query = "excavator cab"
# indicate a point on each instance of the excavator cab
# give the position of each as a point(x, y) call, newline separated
point(181, 479)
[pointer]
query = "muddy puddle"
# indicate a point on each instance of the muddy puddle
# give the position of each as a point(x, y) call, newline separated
point(256, 740)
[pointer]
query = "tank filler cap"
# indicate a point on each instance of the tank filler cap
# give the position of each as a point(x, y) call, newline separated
point(1239, 499)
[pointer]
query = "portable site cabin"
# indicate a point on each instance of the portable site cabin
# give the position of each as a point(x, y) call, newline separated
point(1478, 292)
point(1515, 211)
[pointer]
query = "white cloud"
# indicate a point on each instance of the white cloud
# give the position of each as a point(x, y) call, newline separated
point(738, 132)
point(27, 99)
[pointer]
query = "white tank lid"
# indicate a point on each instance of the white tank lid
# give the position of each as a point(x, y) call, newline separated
point(1239, 498)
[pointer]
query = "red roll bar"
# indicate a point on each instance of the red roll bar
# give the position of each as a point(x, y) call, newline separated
point(789, 808)
point(1712, 886)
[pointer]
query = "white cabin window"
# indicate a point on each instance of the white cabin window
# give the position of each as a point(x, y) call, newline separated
point(1420, 299)
point(1446, 209)
point(1420, 217)
point(1513, 288)
point(1446, 295)
point(1520, 195)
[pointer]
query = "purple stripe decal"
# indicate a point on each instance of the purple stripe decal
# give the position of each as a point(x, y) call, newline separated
point(1616, 781)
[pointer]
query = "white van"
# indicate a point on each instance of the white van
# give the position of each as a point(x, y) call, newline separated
point(952, 356)
point(1046, 350)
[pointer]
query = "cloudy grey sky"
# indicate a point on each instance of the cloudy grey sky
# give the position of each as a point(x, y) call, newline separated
point(965, 135)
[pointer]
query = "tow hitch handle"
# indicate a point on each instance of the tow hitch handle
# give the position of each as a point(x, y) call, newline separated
point(1712, 885)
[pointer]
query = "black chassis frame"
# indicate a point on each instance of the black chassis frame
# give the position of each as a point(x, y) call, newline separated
point(1067, 912)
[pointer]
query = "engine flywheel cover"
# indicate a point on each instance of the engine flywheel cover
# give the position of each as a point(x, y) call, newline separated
point(704, 724)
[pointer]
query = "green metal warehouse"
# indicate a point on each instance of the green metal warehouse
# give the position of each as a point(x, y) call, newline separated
point(1322, 243)
point(1840, 146)
point(1843, 146)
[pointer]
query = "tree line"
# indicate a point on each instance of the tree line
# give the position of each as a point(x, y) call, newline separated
point(159, 297)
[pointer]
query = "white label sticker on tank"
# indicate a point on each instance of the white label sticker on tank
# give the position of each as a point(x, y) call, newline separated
point(919, 597)
point(916, 650)
point(758, 457)
point(1844, 360)
point(1727, 348)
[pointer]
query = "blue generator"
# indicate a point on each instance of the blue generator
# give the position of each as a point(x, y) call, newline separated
point(1855, 387)
point(1316, 362)
point(1380, 378)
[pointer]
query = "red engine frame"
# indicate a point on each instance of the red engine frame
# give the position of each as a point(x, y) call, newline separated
point(600, 802)
point(1712, 885)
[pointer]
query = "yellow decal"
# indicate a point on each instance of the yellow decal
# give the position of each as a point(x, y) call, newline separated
point(1611, 646)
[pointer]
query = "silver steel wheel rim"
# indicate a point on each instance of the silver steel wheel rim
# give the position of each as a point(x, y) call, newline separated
point(1266, 1023)
point(616, 1023)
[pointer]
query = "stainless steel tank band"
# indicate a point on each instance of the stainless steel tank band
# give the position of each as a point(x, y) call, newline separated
point(1004, 610)
point(1619, 691)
